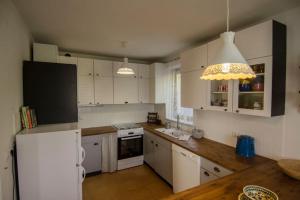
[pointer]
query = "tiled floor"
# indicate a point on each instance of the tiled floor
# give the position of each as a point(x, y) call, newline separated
point(138, 183)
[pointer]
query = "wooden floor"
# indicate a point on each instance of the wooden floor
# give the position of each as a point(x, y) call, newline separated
point(138, 183)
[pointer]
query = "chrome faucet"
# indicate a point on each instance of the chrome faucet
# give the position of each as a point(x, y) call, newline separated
point(178, 124)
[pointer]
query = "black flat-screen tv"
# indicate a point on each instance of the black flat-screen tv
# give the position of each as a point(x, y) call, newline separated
point(51, 89)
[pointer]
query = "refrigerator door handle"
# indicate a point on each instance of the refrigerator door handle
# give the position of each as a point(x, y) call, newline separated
point(83, 174)
point(83, 154)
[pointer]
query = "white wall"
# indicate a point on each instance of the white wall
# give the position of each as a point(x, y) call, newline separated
point(275, 137)
point(113, 114)
point(15, 42)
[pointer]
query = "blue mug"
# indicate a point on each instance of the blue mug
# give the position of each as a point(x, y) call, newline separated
point(245, 146)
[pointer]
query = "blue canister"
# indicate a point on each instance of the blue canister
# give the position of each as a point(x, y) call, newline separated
point(245, 146)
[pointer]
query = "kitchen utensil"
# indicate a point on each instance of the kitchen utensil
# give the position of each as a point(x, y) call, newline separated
point(152, 117)
point(245, 146)
point(291, 167)
point(258, 86)
point(255, 192)
point(245, 85)
point(197, 133)
point(256, 106)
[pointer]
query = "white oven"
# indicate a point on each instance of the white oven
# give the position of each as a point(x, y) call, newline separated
point(130, 145)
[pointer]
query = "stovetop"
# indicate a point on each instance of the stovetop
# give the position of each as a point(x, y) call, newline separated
point(127, 126)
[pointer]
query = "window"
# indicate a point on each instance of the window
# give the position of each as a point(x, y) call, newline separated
point(173, 95)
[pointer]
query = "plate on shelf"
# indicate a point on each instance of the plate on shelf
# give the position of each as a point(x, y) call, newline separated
point(255, 192)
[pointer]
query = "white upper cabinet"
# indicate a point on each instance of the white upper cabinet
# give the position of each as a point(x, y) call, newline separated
point(219, 93)
point(194, 59)
point(144, 90)
point(255, 41)
point(157, 84)
point(144, 71)
point(144, 83)
point(125, 90)
point(212, 48)
point(117, 65)
point(85, 90)
point(254, 97)
point(67, 60)
point(103, 82)
point(104, 90)
point(103, 68)
point(193, 90)
point(85, 71)
point(85, 67)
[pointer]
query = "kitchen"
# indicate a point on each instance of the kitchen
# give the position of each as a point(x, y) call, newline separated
point(139, 123)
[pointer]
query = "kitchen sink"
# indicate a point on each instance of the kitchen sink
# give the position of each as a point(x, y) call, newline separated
point(175, 133)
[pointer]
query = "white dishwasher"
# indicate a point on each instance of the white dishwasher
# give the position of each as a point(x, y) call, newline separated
point(186, 169)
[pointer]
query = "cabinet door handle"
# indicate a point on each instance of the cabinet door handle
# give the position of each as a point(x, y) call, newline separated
point(237, 111)
point(225, 109)
point(216, 169)
point(126, 102)
point(152, 142)
point(97, 74)
point(90, 103)
point(201, 108)
point(96, 144)
point(183, 154)
point(202, 66)
point(90, 74)
point(206, 173)
point(156, 145)
point(98, 103)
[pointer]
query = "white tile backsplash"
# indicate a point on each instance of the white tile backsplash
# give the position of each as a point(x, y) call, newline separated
point(106, 115)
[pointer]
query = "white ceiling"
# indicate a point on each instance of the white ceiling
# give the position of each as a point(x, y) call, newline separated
point(154, 29)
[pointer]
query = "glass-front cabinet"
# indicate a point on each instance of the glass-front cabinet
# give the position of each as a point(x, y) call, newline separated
point(254, 96)
point(220, 95)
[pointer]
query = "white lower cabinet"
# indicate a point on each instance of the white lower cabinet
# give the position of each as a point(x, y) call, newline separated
point(158, 155)
point(92, 147)
point(125, 90)
point(206, 176)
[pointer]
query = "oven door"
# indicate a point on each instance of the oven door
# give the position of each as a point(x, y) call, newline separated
point(129, 147)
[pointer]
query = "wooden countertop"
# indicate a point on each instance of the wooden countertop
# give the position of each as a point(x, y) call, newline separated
point(267, 175)
point(256, 171)
point(97, 130)
point(219, 153)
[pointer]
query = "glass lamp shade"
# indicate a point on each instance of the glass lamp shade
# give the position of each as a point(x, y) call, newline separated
point(125, 69)
point(228, 64)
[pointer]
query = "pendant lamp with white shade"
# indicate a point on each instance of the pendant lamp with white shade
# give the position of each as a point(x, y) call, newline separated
point(125, 69)
point(228, 63)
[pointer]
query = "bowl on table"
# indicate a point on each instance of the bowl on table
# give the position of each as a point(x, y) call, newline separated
point(255, 192)
point(290, 167)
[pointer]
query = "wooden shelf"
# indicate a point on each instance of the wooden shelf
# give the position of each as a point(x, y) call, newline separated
point(260, 74)
point(252, 92)
point(219, 92)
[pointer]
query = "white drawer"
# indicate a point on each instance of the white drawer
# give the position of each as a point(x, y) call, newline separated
point(90, 139)
point(206, 176)
point(214, 168)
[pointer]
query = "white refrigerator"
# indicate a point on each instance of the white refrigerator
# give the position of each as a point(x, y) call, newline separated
point(49, 161)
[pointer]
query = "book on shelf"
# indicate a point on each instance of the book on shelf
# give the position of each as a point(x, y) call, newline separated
point(28, 117)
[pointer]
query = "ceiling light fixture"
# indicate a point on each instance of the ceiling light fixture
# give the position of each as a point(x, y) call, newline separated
point(228, 64)
point(125, 69)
